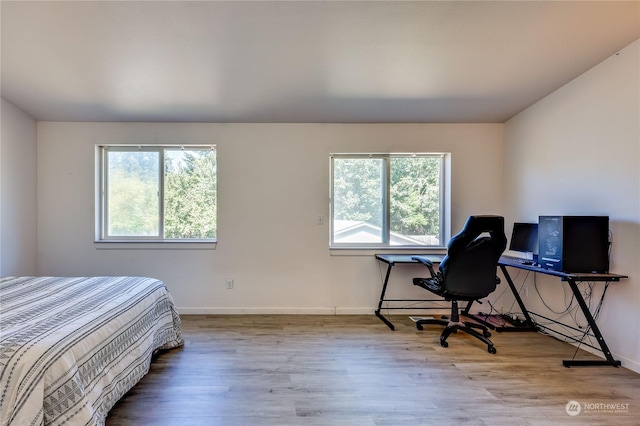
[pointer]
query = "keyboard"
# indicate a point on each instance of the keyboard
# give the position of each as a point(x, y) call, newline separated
point(519, 260)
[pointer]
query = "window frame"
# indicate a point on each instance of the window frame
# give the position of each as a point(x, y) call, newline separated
point(444, 201)
point(102, 203)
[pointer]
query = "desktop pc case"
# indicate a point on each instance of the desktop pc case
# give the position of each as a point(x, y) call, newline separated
point(574, 243)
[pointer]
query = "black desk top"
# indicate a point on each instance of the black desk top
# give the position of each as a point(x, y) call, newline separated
point(576, 276)
point(407, 258)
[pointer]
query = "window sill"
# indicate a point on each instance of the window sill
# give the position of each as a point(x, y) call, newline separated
point(155, 245)
point(387, 250)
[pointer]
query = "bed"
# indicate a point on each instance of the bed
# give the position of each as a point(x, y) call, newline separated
point(71, 347)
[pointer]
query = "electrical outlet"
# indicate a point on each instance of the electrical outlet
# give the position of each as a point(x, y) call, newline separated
point(526, 292)
point(229, 284)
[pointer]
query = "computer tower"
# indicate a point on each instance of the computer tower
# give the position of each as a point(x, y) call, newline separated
point(574, 243)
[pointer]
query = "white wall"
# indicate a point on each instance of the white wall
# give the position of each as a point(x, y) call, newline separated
point(273, 182)
point(17, 192)
point(577, 152)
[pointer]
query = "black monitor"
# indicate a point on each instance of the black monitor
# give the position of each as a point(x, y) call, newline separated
point(524, 238)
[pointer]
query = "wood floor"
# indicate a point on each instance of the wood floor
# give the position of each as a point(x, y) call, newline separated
point(352, 370)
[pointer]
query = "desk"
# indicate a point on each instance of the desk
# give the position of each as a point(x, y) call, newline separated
point(572, 279)
point(391, 260)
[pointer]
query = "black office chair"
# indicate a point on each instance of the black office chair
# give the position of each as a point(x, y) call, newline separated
point(467, 273)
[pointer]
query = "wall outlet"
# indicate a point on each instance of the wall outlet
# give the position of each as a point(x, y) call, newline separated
point(229, 284)
point(526, 292)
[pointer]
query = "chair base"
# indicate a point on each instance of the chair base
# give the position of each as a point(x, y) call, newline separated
point(453, 327)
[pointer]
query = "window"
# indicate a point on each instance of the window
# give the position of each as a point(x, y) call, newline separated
point(388, 200)
point(157, 193)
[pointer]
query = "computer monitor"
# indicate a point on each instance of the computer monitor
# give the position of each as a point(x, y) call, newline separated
point(524, 238)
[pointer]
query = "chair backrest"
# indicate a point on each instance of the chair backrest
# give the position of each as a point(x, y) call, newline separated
point(470, 266)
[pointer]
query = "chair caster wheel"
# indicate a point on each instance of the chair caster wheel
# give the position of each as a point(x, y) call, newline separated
point(444, 343)
point(419, 327)
point(492, 350)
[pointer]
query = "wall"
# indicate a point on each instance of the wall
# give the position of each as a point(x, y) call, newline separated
point(17, 192)
point(273, 182)
point(577, 152)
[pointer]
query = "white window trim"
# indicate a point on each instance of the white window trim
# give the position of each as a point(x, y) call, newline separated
point(155, 245)
point(366, 249)
point(104, 242)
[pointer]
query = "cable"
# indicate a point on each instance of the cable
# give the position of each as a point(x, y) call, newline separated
point(535, 285)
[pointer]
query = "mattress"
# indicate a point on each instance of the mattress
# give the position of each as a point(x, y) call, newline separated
point(71, 347)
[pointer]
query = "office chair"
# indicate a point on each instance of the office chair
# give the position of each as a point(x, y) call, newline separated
point(467, 273)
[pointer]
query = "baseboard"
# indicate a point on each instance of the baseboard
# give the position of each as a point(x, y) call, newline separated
point(627, 363)
point(302, 311)
point(275, 311)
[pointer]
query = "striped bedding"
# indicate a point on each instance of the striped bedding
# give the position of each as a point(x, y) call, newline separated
point(70, 348)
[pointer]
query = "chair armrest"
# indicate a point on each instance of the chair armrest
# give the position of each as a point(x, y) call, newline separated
point(426, 262)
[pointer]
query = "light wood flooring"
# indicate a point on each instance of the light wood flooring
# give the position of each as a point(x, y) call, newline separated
point(353, 370)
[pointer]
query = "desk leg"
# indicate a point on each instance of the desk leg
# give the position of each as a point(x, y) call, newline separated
point(596, 332)
point(384, 290)
point(528, 321)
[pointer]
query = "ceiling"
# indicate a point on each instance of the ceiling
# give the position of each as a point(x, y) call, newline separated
point(300, 61)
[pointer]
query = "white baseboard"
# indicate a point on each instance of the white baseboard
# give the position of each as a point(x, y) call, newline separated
point(275, 311)
point(298, 311)
point(627, 363)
